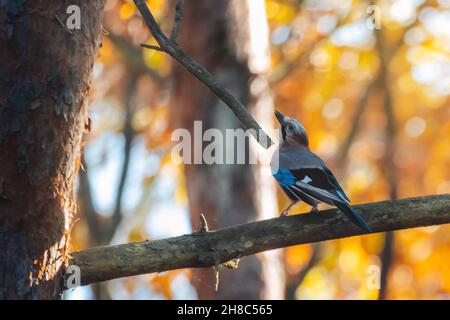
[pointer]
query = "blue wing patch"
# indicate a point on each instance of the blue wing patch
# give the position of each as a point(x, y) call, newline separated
point(284, 177)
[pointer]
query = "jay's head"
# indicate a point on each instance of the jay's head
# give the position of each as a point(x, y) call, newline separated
point(292, 132)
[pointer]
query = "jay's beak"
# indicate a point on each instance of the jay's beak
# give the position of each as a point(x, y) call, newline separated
point(280, 116)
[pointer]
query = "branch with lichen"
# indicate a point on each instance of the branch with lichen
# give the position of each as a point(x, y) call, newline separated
point(215, 248)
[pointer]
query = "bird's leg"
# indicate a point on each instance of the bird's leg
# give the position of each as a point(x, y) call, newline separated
point(314, 208)
point(286, 211)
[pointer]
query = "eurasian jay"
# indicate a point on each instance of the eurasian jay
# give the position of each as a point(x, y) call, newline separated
point(304, 176)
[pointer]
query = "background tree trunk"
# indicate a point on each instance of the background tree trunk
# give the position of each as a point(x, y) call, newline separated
point(229, 38)
point(44, 80)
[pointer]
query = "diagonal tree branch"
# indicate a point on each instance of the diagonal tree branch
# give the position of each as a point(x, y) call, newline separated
point(206, 249)
point(178, 16)
point(197, 70)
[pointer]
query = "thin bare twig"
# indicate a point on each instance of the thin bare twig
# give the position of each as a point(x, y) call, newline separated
point(204, 76)
point(152, 47)
point(178, 16)
point(203, 224)
point(217, 278)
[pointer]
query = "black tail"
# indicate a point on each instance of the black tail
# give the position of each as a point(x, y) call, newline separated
point(353, 215)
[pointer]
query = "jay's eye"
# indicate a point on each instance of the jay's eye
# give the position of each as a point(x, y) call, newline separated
point(290, 127)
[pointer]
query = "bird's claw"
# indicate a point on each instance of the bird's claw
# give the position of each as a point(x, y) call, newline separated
point(284, 213)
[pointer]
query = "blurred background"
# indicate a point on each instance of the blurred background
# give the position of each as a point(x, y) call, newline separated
point(375, 103)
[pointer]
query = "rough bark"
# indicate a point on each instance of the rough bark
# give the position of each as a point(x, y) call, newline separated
point(217, 35)
point(204, 249)
point(44, 80)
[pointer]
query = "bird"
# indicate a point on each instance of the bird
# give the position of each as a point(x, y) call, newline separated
point(303, 176)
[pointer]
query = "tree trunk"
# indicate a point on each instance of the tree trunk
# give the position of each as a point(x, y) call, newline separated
point(221, 35)
point(44, 80)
